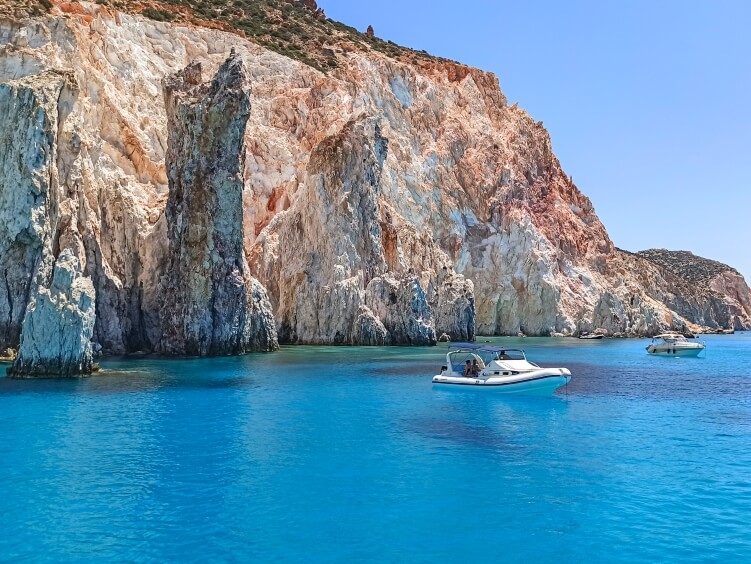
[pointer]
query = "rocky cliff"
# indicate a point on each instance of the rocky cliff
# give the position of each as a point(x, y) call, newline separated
point(386, 196)
point(211, 305)
point(714, 294)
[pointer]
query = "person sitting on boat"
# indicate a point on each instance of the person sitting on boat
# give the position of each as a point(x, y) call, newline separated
point(475, 368)
point(468, 369)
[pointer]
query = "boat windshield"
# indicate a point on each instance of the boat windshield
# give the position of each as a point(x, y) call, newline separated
point(670, 337)
point(510, 354)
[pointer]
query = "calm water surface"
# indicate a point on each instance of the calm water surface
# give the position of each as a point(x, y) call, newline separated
point(342, 454)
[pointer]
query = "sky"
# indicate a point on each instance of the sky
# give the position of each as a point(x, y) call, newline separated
point(647, 102)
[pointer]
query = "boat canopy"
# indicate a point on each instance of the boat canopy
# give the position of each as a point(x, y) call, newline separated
point(486, 352)
point(669, 336)
point(476, 347)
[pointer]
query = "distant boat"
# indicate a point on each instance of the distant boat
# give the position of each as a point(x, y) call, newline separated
point(501, 369)
point(586, 335)
point(674, 344)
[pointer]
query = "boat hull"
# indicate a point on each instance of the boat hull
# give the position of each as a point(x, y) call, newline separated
point(541, 385)
point(678, 351)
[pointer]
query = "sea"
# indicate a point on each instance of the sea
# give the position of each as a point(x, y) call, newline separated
point(349, 454)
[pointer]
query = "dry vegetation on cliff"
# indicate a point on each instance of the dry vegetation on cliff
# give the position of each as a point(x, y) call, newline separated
point(693, 269)
point(24, 8)
point(298, 29)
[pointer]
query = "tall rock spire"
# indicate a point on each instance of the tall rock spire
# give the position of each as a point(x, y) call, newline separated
point(212, 306)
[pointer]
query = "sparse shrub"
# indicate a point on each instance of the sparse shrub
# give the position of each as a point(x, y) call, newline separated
point(158, 15)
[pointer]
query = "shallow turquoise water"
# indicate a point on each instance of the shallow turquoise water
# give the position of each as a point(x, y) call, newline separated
point(341, 454)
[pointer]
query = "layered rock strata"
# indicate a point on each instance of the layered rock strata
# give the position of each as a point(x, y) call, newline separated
point(212, 306)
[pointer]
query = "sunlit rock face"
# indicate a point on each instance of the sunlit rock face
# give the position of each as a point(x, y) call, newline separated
point(75, 183)
point(332, 261)
point(58, 326)
point(46, 301)
point(28, 137)
point(381, 177)
point(212, 306)
point(706, 291)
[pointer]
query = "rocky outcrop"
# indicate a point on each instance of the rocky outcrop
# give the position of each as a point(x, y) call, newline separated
point(402, 307)
point(691, 268)
point(212, 306)
point(453, 307)
point(47, 305)
point(28, 199)
point(709, 293)
point(58, 326)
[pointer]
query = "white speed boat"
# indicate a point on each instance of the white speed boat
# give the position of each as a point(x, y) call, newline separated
point(498, 368)
point(674, 344)
point(590, 336)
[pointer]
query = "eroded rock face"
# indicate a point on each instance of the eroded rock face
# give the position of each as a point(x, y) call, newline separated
point(212, 306)
point(369, 330)
point(454, 307)
point(28, 139)
point(58, 326)
point(42, 250)
point(334, 264)
point(402, 308)
point(706, 291)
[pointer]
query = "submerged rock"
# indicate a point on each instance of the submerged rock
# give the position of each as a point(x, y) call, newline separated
point(58, 326)
point(212, 306)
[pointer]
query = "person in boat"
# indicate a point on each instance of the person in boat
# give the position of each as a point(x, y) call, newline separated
point(475, 368)
point(468, 369)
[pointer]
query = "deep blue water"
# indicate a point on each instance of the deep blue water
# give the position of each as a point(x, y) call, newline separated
point(342, 454)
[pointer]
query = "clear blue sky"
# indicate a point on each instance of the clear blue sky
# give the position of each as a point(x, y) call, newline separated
point(648, 103)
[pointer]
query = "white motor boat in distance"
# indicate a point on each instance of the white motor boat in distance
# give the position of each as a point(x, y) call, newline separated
point(674, 344)
point(590, 336)
point(501, 369)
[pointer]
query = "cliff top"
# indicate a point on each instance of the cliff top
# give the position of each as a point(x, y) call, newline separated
point(693, 269)
point(298, 29)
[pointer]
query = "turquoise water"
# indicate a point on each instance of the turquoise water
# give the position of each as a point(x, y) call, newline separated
point(341, 454)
